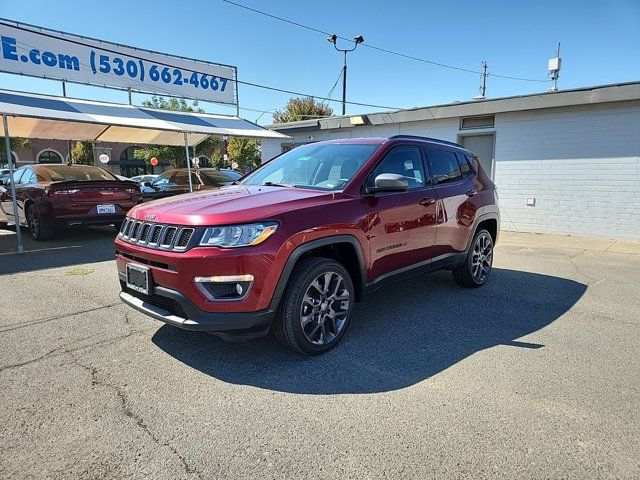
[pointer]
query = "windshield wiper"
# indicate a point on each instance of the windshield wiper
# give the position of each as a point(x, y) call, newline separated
point(272, 184)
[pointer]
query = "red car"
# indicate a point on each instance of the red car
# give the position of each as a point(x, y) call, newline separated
point(301, 238)
point(51, 197)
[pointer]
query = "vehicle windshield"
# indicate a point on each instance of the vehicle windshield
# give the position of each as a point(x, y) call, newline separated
point(61, 173)
point(322, 167)
point(198, 177)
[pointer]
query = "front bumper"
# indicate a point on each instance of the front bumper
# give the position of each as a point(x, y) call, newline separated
point(174, 308)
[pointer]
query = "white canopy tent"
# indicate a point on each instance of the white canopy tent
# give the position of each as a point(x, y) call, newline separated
point(29, 115)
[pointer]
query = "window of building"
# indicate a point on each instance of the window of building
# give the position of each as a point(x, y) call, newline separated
point(3, 157)
point(443, 166)
point(49, 156)
point(405, 161)
point(484, 121)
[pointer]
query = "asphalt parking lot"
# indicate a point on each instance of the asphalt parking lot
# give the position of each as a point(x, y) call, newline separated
point(533, 376)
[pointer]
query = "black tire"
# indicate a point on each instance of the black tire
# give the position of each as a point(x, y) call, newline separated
point(480, 250)
point(288, 328)
point(39, 229)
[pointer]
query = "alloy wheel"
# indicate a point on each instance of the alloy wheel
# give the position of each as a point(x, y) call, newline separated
point(482, 257)
point(324, 309)
point(33, 222)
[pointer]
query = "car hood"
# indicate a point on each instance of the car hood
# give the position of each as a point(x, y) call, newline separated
point(229, 205)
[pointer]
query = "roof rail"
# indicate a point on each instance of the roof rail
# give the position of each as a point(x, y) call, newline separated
point(429, 139)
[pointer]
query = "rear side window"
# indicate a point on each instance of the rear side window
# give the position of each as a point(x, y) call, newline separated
point(405, 161)
point(465, 165)
point(443, 166)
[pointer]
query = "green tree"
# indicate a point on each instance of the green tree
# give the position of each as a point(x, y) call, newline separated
point(15, 144)
point(303, 108)
point(244, 151)
point(82, 153)
point(172, 155)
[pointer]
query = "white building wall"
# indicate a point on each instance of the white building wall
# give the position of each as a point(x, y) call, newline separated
point(581, 165)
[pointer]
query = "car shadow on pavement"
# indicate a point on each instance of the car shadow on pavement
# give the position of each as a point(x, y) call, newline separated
point(399, 336)
point(67, 248)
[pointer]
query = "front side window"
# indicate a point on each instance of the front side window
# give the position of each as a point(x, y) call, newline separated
point(443, 166)
point(321, 167)
point(17, 175)
point(28, 177)
point(405, 161)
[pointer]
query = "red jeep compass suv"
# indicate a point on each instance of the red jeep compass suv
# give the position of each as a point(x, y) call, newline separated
point(294, 244)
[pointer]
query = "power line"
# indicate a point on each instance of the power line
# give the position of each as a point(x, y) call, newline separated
point(335, 84)
point(164, 64)
point(380, 49)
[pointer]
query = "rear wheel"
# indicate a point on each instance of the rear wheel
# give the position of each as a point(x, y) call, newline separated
point(475, 270)
point(38, 228)
point(316, 308)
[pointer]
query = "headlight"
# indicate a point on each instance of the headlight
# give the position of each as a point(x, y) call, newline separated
point(238, 235)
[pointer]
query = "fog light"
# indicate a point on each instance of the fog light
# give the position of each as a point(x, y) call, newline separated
point(224, 287)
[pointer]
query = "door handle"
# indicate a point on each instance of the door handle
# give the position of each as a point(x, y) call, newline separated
point(471, 193)
point(425, 202)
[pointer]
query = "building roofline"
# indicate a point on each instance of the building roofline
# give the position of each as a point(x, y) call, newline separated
point(617, 92)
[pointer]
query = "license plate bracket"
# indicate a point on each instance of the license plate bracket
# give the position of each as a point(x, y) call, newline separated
point(139, 278)
point(106, 208)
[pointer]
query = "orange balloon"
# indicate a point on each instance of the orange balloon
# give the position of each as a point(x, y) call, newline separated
point(154, 161)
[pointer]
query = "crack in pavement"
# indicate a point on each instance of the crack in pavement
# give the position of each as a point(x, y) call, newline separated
point(128, 412)
point(62, 350)
point(17, 326)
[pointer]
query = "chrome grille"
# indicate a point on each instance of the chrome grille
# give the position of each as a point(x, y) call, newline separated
point(156, 235)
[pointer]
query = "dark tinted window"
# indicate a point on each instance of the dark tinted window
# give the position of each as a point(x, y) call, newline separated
point(443, 166)
point(465, 165)
point(61, 173)
point(405, 161)
point(213, 178)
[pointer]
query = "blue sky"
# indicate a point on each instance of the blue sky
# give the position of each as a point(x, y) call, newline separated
point(600, 44)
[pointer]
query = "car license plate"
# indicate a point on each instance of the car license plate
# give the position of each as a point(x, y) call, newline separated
point(138, 278)
point(107, 208)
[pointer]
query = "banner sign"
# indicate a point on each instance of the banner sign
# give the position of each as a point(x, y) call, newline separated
point(44, 53)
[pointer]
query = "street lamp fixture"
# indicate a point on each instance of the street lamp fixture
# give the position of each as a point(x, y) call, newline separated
point(333, 38)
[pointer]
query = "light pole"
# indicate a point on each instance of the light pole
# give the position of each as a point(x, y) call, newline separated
point(356, 41)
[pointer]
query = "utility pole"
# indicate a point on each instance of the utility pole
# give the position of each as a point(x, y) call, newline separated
point(357, 41)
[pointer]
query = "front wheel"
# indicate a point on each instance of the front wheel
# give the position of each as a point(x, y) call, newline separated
point(38, 228)
point(316, 308)
point(475, 270)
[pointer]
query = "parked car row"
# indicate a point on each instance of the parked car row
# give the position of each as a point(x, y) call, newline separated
point(53, 196)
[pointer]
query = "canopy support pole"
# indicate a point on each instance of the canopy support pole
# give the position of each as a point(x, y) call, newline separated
point(16, 217)
point(186, 151)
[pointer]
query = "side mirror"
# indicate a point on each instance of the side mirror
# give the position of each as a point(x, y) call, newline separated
point(147, 184)
point(389, 182)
